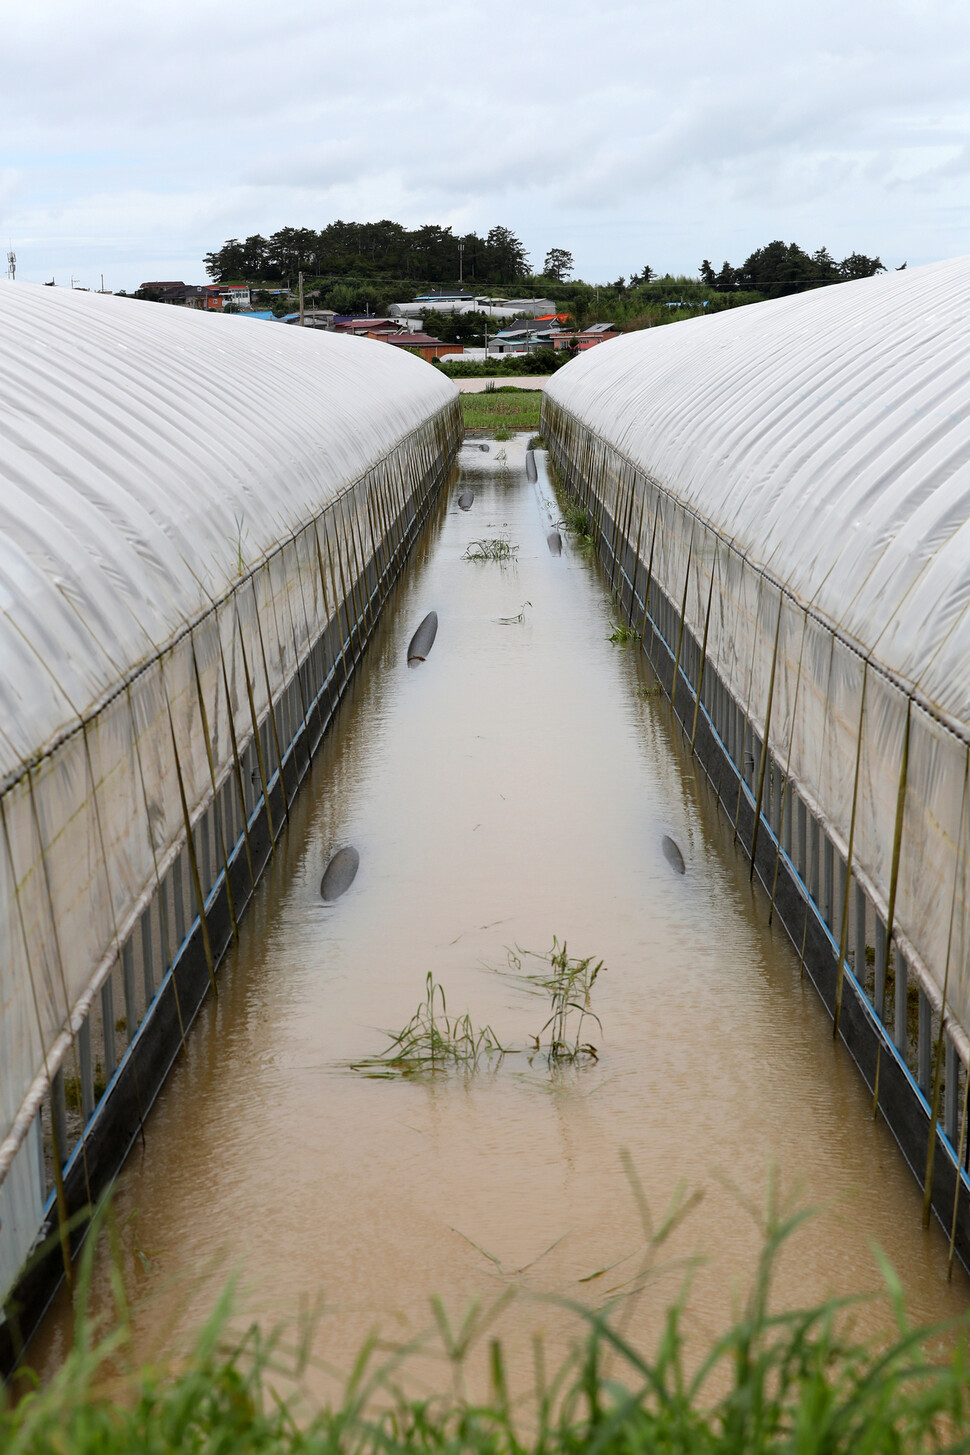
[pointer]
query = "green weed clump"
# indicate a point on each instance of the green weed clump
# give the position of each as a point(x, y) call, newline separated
point(774, 1382)
point(622, 634)
point(577, 520)
point(495, 548)
point(568, 984)
point(432, 1042)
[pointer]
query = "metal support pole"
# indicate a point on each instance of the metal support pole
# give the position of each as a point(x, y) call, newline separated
point(147, 957)
point(801, 811)
point(128, 977)
point(108, 1025)
point(205, 856)
point(924, 1043)
point(900, 998)
point(179, 895)
point(813, 869)
point(879, 987)
point(87, 1069)
point(860, 966)
point(828, 880)
point(59, 1116)
point(951, 1100)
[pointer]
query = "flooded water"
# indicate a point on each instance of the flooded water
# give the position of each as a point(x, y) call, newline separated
point(514, 787)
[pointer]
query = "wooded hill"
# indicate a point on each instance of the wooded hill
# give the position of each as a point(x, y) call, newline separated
point(370, 250)
point(356, 267)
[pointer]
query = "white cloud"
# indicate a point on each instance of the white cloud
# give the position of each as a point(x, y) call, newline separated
point(628, 132)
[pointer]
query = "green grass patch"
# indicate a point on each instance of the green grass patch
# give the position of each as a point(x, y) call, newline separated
point(770, 1381)
point(505, 408)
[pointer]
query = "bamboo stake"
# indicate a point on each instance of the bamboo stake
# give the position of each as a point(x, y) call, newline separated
point(762, 767)
point(700, 675)
point(59, 1189)
point(271, 709)
point(215, 791)
point(159, 892)
point(814, 867)
point(961, 1153)
point(193, 862)
point(636, 555)
point(893, 879)
point(297, 664)
point(326, 601)
point(360, 561)
point(791, 746)
point(680, 631)
point(310, 632)
point(347, 599)
point(117, 940)
point(238, 768)
point(844, 936)
point(256, 738)
point(938, 1068)
point(49, 892)
point(625, 536)
point(646, 593)
point(747, 699)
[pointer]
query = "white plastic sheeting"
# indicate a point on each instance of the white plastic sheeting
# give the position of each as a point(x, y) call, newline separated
point(146, 455)
point(184, 499)
point(810, 456)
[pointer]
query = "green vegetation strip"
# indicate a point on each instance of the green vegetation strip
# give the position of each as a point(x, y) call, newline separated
point(504, 408)
point(774, 1381)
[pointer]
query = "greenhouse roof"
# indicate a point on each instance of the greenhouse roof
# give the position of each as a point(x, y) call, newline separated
point(827, 436)
point(148, 455)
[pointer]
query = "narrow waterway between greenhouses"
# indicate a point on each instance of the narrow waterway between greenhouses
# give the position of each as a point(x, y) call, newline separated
point(514, 788)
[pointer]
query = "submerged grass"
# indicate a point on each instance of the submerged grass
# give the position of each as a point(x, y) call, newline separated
point(493, 548)
point(623, 634)
point(507, 409)
point(432, 1042)
point(578, 522)
point(516, 620)
point(568, 983)
point(772, 1381)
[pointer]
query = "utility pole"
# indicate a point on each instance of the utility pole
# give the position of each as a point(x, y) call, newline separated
point(461, 263)
point(300, 286)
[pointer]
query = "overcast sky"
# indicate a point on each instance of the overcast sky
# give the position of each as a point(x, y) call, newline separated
point(138, 135)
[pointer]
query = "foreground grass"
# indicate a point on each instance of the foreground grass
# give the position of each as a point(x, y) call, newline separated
point(794, 1381)
point(505, 408)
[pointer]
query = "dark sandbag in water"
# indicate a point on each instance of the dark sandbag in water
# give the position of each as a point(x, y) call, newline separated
point(530, 466)
point(672, 854)
point(466, 499)
point(423, 639)
point(340, 873)
point(554, 542)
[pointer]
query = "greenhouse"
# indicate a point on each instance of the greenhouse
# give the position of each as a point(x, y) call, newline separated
point(782, 496)
point(199, 520)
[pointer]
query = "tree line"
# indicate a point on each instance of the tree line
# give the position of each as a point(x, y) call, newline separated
point(370, 250)
point(782, 268)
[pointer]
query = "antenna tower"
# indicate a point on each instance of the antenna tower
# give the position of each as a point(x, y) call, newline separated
point(11, 264)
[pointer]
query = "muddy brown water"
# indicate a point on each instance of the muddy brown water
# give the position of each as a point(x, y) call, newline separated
point(516, 786)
